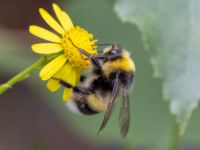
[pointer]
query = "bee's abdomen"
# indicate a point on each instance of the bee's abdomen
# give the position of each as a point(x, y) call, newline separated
point(81, 108)
point(85, 109)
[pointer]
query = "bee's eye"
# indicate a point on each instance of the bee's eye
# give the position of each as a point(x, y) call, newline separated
point(114, 51)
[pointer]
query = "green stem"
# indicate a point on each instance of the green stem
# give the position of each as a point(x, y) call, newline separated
point(21, 76)
point(175, 139)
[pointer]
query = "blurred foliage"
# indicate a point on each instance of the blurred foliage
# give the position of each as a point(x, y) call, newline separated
point(172, 32)
point(151, 122)
point(12, 52)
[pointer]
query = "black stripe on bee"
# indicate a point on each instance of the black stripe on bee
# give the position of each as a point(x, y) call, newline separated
point(85, 109)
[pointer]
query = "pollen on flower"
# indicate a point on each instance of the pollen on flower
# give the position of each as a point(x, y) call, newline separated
point(75, 38)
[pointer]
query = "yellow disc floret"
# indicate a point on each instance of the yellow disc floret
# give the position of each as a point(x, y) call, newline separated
point(76, 38)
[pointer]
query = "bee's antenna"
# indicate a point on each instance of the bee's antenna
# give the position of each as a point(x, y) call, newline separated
point(104, 44)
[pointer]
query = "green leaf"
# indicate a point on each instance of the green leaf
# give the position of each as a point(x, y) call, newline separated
point(171, 31)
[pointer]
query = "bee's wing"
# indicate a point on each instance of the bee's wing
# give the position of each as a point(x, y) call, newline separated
point(111, 102)
point(124, 117)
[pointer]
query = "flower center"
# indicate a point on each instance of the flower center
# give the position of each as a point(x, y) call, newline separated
point(76, 38)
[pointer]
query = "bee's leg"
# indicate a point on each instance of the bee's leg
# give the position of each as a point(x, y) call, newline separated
point(94, 58)
point(68, 85)
point(95, 61)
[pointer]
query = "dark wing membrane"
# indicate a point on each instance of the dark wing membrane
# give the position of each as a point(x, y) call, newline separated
point(111, 102)
point(124, 117)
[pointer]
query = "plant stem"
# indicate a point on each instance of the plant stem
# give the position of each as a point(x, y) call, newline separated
point(175, 139)
point(21, 76)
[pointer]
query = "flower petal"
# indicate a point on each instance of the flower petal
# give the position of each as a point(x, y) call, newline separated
point(67, 94)
point(47, 48)
point(62, 74)
point(53, 85)
point(78, 74)
point(44, 34)
point(51, 68)
point(63, 17)
point(72, 79)
point(51, 21)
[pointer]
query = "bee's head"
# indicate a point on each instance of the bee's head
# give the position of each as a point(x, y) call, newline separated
point(115, 52)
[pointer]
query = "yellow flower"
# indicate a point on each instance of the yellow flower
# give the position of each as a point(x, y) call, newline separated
point(70, 62)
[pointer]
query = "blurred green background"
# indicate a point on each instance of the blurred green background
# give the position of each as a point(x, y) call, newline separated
point(33, 118)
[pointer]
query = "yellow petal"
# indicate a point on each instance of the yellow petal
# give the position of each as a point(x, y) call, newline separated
point(51, 21)
point(51, 68)
point(77, 77)
point(44, 34)
point(47, 48)
point(63, 17)
point(53, 85)
point(67, 94)
point(72, 77)
point(64, 73)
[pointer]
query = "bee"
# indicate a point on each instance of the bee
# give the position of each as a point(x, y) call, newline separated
point(111, 74)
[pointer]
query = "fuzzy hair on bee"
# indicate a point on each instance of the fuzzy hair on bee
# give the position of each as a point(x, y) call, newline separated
point(111, 74)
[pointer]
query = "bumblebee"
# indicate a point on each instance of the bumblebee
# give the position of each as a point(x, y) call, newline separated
point(111, 74)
